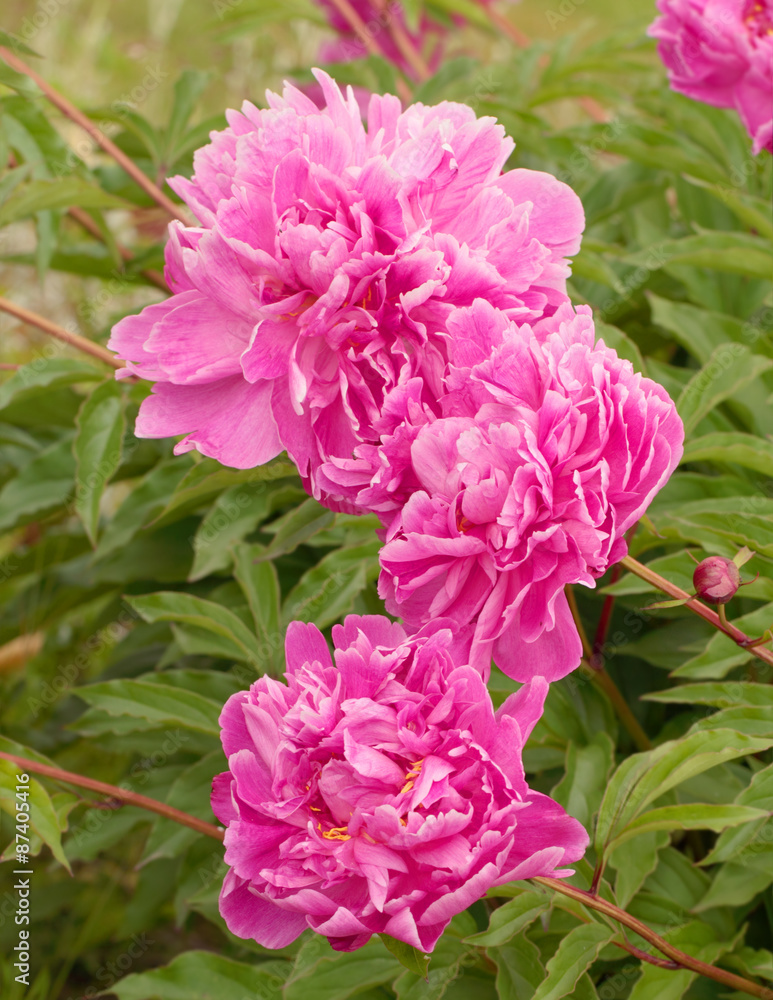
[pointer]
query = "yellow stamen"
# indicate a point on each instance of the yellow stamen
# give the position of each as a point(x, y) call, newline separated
point(337, 833)
point(412, 775)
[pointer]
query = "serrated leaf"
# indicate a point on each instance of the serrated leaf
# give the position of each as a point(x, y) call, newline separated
point(576, 953)
point(157, 703)
point(98, 449)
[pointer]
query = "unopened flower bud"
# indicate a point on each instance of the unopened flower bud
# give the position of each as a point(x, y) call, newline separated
point(716, 579)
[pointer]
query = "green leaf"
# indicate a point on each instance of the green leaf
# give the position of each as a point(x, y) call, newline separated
point(16, 45)
point(172, 606)
point(327, 975)
point(585, 778)
point(187, 793)
point(748, 450)
point(736, 253)
point(728, 370)
point(42, 486)
point(519, 968)
point(633, 867)
point(207, 479)
point(644, 777)
point(157, 703)
point(408, 956)
point(327, 591)
point(721, 654)
point(234, 514)
point(204, 975)
point(576, 953)
point(98, 449)
point(64, 192)
point(44, 819)
point(260, 583)
point(188, 88)
point(139, 508)
point(728, 694)
point(508, 920)
point(297, 526)
point(698, 330)
point(33, 379)
point(699, 941)
point(448, 956)
point(689, 816)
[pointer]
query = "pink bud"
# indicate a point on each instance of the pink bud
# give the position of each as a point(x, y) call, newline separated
point(716, 579)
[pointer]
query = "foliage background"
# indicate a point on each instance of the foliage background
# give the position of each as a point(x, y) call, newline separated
point(134, 575)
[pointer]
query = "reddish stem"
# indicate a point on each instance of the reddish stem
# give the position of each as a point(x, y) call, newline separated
point(73, 339)
point(130, 798)
point(74, 114)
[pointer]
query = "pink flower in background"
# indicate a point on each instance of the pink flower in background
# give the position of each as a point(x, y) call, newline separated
point(378, 21)
point(721, 52)
point(327, 264)
point(548, 450)
point(379, 795)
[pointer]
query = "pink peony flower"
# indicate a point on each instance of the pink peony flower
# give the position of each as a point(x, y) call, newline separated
point(379, 795)
point(721, 52)
point(548, 450)
point(327, 264)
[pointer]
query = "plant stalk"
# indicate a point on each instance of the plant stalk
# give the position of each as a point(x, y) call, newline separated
point(74, 114)
point(48, 326)
point(684, 960)
point(694, 605)
point(130, 798)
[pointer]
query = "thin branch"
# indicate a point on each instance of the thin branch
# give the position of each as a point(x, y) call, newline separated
point(130, 798)
point(73, 339)
point(506, 26)
point(605, 619)
point(405, 45)
point(572, 601)
point(74, 114)
point(674, 954)
point(588, 899)
point(694, 605)
point(84, 219)
point(644, 956)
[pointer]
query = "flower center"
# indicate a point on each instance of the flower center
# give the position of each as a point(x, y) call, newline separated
point(759, 17)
